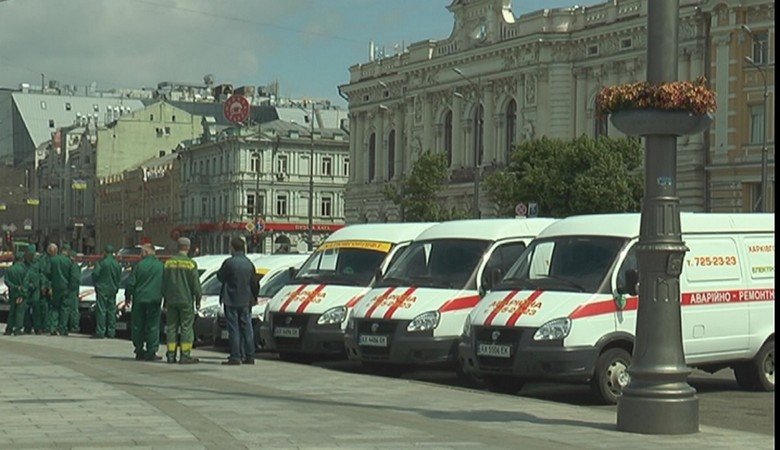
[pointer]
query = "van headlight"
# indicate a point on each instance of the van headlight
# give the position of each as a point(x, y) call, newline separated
point(333, 316)
point(425, 321)
point(209, 312)
point(554, 329)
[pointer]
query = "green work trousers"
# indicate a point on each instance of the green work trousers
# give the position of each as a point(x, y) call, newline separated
point(145, 326)
point(179, 317)
point(38, 314)
point(16, 317)
point(73, 313)
point(59, 311)
point(105, 315)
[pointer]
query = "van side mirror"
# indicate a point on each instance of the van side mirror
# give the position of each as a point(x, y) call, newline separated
point(292, 271)
point(632, 281)
point(491, 278)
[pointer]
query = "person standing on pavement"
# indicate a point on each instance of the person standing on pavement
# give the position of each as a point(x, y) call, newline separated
point(181, 295)
point(74, 281)
point(239, 294)
point(35, 285)
point(106, 277)
point(144, 295)
point(14, 279)
point(44, 267)
point(59, 278)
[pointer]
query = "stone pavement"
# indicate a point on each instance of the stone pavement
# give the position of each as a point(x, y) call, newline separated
point(74, 392)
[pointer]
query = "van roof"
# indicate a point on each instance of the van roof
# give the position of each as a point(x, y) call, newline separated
point(263, 261)
point(490, 229)
point(380, 232)
point(627, 224)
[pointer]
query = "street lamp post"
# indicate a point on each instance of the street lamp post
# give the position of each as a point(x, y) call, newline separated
point(761, 207)
point(477, 141)
point(310, 212)
point(657, 398)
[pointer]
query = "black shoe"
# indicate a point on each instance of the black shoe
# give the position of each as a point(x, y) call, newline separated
point(152, 358)
point(53, 333)
point(39, 332)
point(171, 360)
point(188, 360)
point(7, 332)
point(139, 357)
point(250, 361)
point(231, 362)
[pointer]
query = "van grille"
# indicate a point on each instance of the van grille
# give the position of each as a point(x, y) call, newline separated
point(504, 336)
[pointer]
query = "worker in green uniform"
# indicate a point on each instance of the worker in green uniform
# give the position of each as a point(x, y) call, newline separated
point(181, 293)
point(74, 281)
point(14, 279)
point(44, 267)
point(106, 277)
point(144, 295)
point(35, 286)
point(59, 277)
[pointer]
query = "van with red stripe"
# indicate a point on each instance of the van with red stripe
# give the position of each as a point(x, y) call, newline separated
point(415, 313)
point(308, 315)
point(567, 309)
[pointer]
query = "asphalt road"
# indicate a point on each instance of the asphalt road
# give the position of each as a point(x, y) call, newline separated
point(722, 403)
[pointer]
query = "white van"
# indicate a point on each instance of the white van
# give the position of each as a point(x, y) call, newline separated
point(308, 315)
point(567, 309)
point(415, 313)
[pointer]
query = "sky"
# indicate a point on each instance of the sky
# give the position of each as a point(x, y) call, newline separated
point(306, 45)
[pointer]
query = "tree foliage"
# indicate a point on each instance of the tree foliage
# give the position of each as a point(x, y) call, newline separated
point(418, 194)
point(582, 176)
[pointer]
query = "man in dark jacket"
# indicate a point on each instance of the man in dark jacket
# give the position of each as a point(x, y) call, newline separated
point(239, 294)
point(181, 293)
point(144, 294)
point(14, 279)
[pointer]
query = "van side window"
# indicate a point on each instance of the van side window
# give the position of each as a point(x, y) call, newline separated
point(630, 263)
point(712, 259)
point(502, 258)
point(399, 250)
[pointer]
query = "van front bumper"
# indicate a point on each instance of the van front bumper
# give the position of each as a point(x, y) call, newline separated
point(402, 347)
point(312, 339)
point(528, 359)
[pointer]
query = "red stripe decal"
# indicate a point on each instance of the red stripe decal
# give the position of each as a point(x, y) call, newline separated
point(460, 303)
point(499, 306)
point(603, 307)
point(522, 308)
point(293, 295)
point(378, 301)
point(354, 300)
point(312, 295)
point(398, 302)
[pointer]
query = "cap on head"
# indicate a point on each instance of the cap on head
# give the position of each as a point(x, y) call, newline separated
point(31, 248)
point(109, 248)
point(183, 242)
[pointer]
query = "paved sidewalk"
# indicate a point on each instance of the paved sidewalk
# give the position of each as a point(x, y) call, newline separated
point(74, 392)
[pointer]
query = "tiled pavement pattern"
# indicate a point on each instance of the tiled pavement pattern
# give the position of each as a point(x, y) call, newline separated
point(74, 392)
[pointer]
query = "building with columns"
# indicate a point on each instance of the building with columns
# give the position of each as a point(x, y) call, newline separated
point(499, 79)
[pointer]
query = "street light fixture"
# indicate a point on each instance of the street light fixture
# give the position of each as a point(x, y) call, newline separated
point(761, 206)
point(477, 142)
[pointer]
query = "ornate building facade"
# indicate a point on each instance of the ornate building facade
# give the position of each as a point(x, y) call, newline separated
point(498, 80)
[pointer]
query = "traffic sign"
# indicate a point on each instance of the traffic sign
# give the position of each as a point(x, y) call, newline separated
point(236, 109)
point(28, 224)
point(139, 225)
point(521, 209)
point(259, 225)
point(250, 227)
point(533, 209)
point(12, 228)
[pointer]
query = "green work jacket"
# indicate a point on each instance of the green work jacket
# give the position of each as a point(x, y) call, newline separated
point(107, 275)
point(181, 283)
point(59, 273)
point(145, 282)
point(14, 279)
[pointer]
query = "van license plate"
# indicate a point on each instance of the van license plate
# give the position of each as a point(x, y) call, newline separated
point(121, 326)
point(370, 340)
point(500, 351)
point(224, 334)
point(287, 332)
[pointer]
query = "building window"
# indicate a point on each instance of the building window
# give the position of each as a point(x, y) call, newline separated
point(250, 204)
point(255, 163)
point(760, 48)
point(625, 43)
point(593, 50)
point(391, 155)
point(204, 203)
point(281, 205)
point(151, 117)
point(345, 167)
point(167, 131)
point(511, 127)
point(43, 105)
point(602, 127)
point(757, 124)
point(479, 145)
point(327, 165)
point(51, 123)
point(448, 137)
point(326, 207)
point(371, 157)
point(67, 106)
point(95, 107)
point(173, 118)
point(281, 164)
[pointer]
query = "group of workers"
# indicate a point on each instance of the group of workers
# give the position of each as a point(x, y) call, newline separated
point(43, 292)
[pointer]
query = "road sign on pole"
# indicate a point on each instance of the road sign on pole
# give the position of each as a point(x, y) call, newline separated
point(521, 210)
point(139, 225)
point(259, 225)
point(533, 209)
point(236, 109)
point(28, 224)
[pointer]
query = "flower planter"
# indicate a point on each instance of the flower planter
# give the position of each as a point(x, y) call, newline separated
point(649, 122)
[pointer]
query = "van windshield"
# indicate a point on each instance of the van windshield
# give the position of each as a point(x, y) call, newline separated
point(274, 284)
point(350, 266)
point(440, 263)
point(567, 263)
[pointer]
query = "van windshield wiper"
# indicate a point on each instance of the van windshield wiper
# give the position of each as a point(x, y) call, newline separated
point(393, 281)
point(518, 282)
point(569, 282)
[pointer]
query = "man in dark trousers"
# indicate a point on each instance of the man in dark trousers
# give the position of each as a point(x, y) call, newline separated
point(59, 278)
point(106, 277)
point(239, 294)
point(144, 294)
point(181, 292)
point(14, 279)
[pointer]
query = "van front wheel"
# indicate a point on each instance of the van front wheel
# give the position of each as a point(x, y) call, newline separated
point(758, 374)
point(611, 375)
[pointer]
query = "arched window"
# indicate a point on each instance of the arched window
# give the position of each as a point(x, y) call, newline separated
point(391, 155)
point(448, 136)
point(479, 147)
point(511, 127)
point(371, 157)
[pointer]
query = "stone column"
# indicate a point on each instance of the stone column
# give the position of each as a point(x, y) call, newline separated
point(381, 145)
point(458, 134)
point(401, 147)
point(580, 105)
point(488, 138)
point(427, 123)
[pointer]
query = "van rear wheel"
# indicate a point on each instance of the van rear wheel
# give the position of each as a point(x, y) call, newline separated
point(503, 384)
point(758, 374)
point(611, 375)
